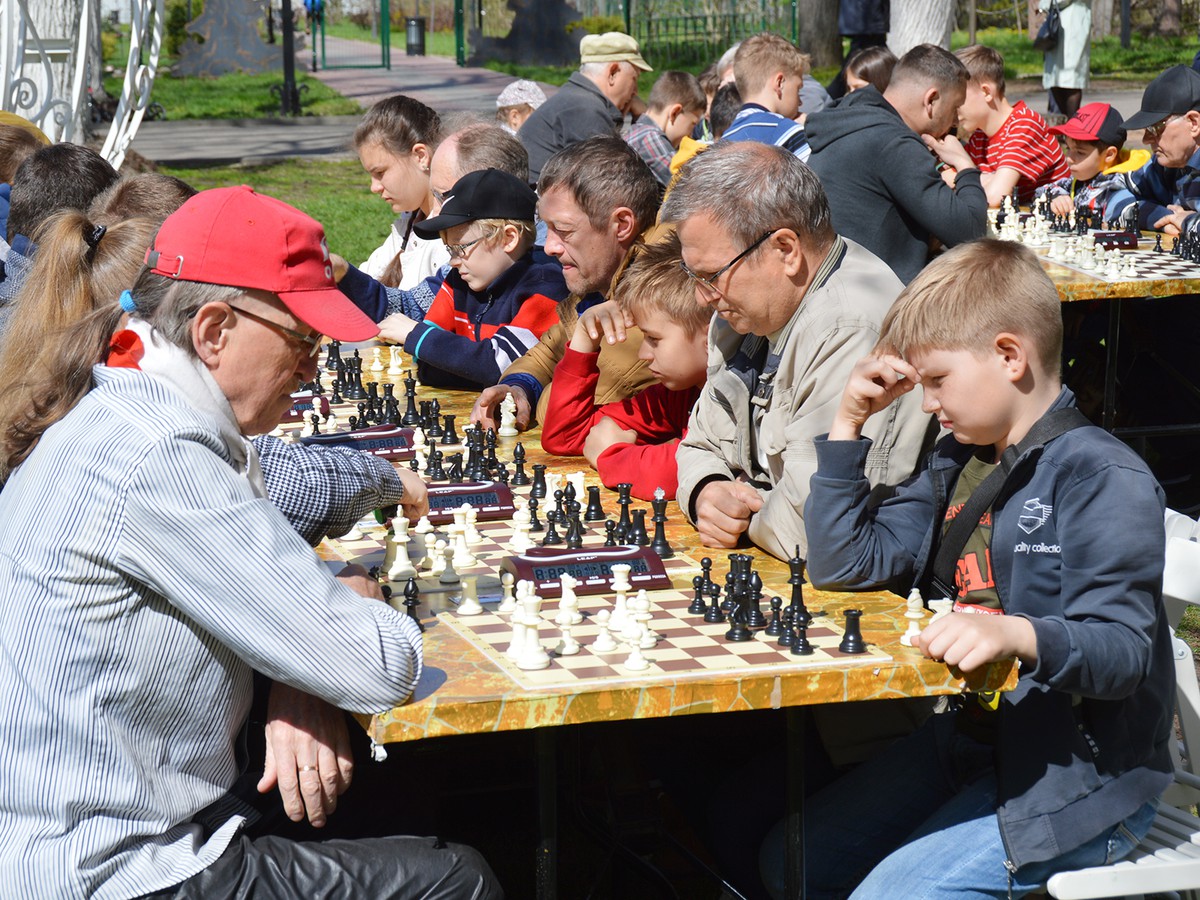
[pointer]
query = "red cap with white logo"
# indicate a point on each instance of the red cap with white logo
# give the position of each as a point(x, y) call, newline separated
point(236, 237)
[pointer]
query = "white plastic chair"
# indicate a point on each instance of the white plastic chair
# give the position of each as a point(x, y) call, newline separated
point(1168, 859)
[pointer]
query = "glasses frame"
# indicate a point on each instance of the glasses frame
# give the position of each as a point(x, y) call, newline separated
point(1155, 131)
point(311, 341)
point(460, 250)
point(708, 285)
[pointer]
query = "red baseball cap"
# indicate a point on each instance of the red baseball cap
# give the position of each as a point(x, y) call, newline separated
point(236, 237)
point(1094, 122)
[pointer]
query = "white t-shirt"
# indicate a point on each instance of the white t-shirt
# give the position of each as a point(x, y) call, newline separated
point(420, 258)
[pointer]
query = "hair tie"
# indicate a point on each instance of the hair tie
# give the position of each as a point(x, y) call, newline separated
point(127, 303)
point(92, 237)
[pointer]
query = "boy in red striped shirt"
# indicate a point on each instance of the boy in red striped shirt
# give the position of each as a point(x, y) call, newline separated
point(1008, 142)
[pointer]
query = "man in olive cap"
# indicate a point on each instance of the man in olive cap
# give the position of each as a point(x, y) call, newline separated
point(1166, 190)
point(592, 102)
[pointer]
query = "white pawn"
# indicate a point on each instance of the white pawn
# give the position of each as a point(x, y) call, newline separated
point(472, 531)
point(377, 365)
point(520, 540)
point(636, 661)
point(423, 526)
point(567, 646)
point(447, 575)
point(470, 605)
point(418, 442)
point(1130, 269)
point(507, 602)
point(603, 642)
point(394, 361)
point(438, 559)
point(331, 420)
point(641, 605)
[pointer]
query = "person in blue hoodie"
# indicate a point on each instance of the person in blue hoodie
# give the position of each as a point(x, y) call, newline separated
point(1058, 562)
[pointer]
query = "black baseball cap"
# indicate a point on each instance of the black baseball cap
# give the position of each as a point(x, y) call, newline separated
point(485, 194)
point(1172, 93)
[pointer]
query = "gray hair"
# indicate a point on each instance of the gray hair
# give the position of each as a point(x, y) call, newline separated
point(593, 70)
point(725, 63)
point(749, 188)
point(490, 147)
point(169, 304)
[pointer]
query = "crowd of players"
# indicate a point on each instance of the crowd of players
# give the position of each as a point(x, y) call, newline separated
point(753, 341)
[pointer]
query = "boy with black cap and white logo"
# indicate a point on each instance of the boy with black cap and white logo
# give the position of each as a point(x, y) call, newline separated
point(1166, 190)
point(1093, 144)
point(498, 301)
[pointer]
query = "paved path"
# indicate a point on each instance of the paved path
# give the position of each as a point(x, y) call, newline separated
point(434, 80)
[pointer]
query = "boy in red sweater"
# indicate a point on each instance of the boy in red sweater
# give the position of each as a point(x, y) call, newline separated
point(634, 440)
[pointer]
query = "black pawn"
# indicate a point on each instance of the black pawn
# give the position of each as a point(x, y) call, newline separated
point(438, 473)
point(706, 571)
point(353, 420)
point(535, 524)
point(610, 536)
point(852, 641)
point(595, 512)
point(714, 613)
point(697, 607)
point(1158, 248)
point(787, 635)
point(335, 396)
point(411, 601)
point(754, 615)
point(775, 626)
point(316, 423)
point(539, 481)
point(501, 473)
point(552, 536)
point(415, 464)
point(800, 644)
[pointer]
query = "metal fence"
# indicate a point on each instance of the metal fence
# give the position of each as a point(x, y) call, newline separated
point(354, 34)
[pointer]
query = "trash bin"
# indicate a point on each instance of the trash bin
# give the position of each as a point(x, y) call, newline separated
point(414, 30)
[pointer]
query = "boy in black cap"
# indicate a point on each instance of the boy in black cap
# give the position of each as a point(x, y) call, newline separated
point(1166, 190)
point(1093, 144)
point(497, 302)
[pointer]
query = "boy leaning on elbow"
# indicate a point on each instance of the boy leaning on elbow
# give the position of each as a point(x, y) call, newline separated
point(1061, 568)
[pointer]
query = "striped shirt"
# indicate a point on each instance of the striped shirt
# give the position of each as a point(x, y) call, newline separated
point(1022, 143)
point(757, 123)
point(141, 581)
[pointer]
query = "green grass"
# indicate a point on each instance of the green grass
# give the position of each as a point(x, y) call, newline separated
point(239, 96)
point(1146, 58)
point(335, 193)
point(437, 43)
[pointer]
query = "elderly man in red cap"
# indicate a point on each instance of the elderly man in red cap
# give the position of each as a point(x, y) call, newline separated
point(129, 639)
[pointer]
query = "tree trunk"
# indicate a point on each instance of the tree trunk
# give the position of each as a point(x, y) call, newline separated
point(1102, 18)
point(1169, 18)
point(920, 22)
point(818, 32)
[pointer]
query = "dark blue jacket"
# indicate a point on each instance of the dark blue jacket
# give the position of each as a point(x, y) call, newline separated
point(864, 17)
point(1077, 549)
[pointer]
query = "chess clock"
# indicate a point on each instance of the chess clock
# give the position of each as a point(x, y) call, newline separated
point(491, 500)
point(302, 407)
point(592, 568)
point(1125, 240)
point(384, 441)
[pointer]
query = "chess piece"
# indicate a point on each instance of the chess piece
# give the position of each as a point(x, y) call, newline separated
point(610, 536)
point(796, 580)
point(447, 574)
point(775, 626)
point(508, 417)
point(535, 524)
point(603, 642)
point(539, 481)
point(551, 536)
point(450, 436)
point(852, 640)
point(507, 602)
point(624, 523)
point(636, 661)
point(914, 611)
point(595, 512)
point(697, 607)
point(800, 644)
point(411, 601)
point(638, 533)
point(394, 361)
point(401, 567)
point(519, 478)
point(567, 645)
point(714, 614)
point(660, 545)
point(568, 604)
point(334, 356)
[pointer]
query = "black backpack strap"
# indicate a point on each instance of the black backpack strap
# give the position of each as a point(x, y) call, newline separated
point(1046, 429)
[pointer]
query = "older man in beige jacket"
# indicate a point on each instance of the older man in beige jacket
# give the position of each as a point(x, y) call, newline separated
point(796, 306)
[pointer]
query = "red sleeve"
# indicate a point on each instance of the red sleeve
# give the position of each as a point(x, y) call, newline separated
point(572, 405)
point(656, 414)
point(645, 466)
point(537, 313)
point(441, 310)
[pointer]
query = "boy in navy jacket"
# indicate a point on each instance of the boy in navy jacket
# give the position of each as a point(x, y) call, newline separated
point(498, 300)
point(1064, 572)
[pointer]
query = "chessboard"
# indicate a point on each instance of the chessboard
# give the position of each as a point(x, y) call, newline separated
point(366, 545)
point(1150, 266)
point(686, 646)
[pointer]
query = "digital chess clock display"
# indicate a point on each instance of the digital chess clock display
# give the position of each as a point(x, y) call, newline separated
point(448, 500)
point(591, 568)
point(384, 441)
point(491, 500)
point(599, 569)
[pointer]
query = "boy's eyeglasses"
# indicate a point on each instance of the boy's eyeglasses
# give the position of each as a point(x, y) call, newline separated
point(709, 285)
point(312, 342)
point(460, 250)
